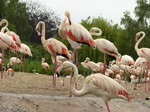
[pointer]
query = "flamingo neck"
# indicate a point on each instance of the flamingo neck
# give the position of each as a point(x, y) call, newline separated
point(137, 43)
point(43, 33)
point(6, 23)
point(4, 28)
point(61, 31)
point(73, 83)
point(95, 33)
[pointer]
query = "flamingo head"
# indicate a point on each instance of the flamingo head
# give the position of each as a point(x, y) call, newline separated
point(95, 31)
point(64, 65)
point(4, 21)
point(137, 35)
point(38, 28)
point(67, 13)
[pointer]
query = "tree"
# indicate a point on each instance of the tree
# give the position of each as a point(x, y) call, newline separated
point(37, 12)
point(15, 13)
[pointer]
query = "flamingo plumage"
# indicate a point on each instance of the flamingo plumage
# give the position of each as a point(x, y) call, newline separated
point(97, 84)
point(53, 46)
point(75, 33)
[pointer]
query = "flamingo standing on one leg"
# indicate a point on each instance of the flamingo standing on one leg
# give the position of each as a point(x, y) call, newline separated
point(104, 45)
point(75, 33)
point(53, 46)
point(44, 64)
point(142, 52)
point(97, 84)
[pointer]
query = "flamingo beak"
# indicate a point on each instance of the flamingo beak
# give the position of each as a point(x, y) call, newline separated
point(59, 69)
point(136, 38)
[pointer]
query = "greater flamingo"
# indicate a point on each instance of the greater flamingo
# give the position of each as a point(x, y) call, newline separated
point(15, 37)
point(24, 50)
point(75, 33)
point(44, 64)
point(142, 52)
point(4, 21)
point(97, 84)
point(6, 42)
point(12, 61)
point(53, 46)
point(104, 45)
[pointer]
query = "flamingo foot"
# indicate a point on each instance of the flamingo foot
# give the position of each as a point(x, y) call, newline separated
point(53, 85)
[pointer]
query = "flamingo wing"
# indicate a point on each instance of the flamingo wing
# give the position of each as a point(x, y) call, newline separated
point(106, 46)
point(144, 53)
point(110, 86)
point(78, 33)
point(57, 47)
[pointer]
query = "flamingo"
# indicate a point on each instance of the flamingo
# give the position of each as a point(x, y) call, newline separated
point(142, 52)
point(44, 64)
point(75, 33)
point(13, 60)
point(92, 65)
point(98, 85)
point(53, 46)
point(15, 37)
point(6, 42)
point(127, 60)
point(4, 21)
point(24, 50)
point(104, 45)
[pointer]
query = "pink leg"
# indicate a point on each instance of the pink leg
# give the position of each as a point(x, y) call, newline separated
point(54, 75)
point(104, 69)
point(107, 107)
point(2, 63)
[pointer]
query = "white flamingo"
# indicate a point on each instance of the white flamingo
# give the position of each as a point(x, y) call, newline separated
point(97, 84)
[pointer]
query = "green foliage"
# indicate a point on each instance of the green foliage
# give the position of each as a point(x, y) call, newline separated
point(23, 17)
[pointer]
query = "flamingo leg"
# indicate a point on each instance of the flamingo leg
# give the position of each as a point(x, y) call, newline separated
point(76, 50)
point(107, 107)
point(104, 69)
point(2, 63)
point(54, 75)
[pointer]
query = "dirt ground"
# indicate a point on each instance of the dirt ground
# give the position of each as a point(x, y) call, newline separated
point(28, 92)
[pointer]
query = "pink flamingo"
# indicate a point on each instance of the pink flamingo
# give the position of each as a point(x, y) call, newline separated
point(98, 85)
point(92, 65)
point(24, 50)
point(127, 60)
point(75, 33)
point(53, 46)
point(142, 52)
point(13, 60)
point(44, 64)
point(15, 37)
point(6, 42)
point(104, 45)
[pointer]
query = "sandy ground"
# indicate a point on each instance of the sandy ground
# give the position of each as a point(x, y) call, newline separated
point(26, 92)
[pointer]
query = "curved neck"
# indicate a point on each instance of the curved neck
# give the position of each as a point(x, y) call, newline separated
point(43, 32)
point(6, 23)
point(73, 83)
point(4, 28)
point(93, 31)
point(137, 43)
